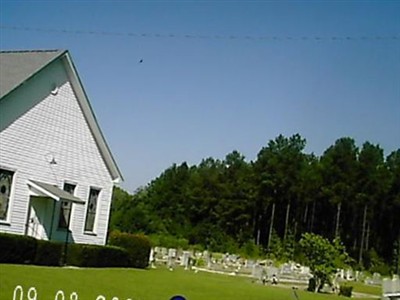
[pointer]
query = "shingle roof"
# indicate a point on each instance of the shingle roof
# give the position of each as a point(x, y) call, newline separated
point(18, 66)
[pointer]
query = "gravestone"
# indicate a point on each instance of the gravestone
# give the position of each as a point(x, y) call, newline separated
point(305, 272)
point(271, 271)
point(286, 269)
point(171, 258)
point(256, 271)
point(391, 288)
point(250, 263)
point(207, 258)
point(152, 258)
point(225, 260)
point(376, 279)
point(361, 276)
point(172, 252)
point(349, 274)
point(233, 258)
point(185, 259)
point(164, 252)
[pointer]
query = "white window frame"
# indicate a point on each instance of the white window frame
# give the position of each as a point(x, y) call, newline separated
point(60, 228)
point(7, 220)
point(94, 229)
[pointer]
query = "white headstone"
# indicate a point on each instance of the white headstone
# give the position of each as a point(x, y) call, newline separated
point(185, 259)
point(207, 258)
point(349, 274)
point(271, 271)
point(286, 269)
point(376, 278)
point(151, 256)
point(172, 252)
point(171, 258)
point(164, 252)
point(257, 272)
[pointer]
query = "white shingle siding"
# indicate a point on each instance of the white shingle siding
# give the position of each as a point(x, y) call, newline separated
point(52, 125)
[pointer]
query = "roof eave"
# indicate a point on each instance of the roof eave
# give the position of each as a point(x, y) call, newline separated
point(53, 192)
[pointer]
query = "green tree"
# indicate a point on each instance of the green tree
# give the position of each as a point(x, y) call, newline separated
point(372, 186)
point(322, 256)
point(309, 186)
point(339, 166)
point(389, 221)
point(278, 168)
point(225, 204)
point(236, 204)
point(133, 214)
point(206, 193)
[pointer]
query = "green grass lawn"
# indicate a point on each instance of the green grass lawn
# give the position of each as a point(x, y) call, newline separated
point(366, 289)
point(158, 284)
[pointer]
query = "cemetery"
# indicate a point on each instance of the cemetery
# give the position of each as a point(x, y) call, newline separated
point(265, 272)
point(194, 274)
point(150, 284)
point(164, 272)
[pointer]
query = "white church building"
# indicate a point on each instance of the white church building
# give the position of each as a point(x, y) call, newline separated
point(56, 170)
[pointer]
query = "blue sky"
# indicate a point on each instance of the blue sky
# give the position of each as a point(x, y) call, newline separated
point(202, 96)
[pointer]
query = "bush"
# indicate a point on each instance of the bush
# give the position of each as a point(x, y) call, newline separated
point(137, 245)
point(97, 256)
point(250, 250)
point(168, 241)
point(200, 262)
point(276, 247)
point(345, 290)
point(48, 253)
point(74, 256)
point(17, 249)
point(375, 263)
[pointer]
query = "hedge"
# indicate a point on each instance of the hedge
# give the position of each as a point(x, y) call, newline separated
point(17, 249)
point(94, 256)
point(48, 253)
point(20, 249)
point(137, 245)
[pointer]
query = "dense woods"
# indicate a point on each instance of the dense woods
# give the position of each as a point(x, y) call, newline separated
point(348, 193)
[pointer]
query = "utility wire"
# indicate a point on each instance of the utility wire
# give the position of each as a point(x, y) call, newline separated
point(197, 36)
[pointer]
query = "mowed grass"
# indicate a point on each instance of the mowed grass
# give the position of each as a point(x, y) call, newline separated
point(366, 289)
point(154, 284)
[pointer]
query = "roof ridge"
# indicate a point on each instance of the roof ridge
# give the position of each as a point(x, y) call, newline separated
point(30, 51)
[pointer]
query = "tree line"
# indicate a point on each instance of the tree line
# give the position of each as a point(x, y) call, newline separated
point(348, 193)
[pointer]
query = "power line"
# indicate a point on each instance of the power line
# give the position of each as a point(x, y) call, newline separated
point(199, 36)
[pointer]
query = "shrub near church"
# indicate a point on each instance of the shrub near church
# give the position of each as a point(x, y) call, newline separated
point(127, 250)
point(137, 245)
